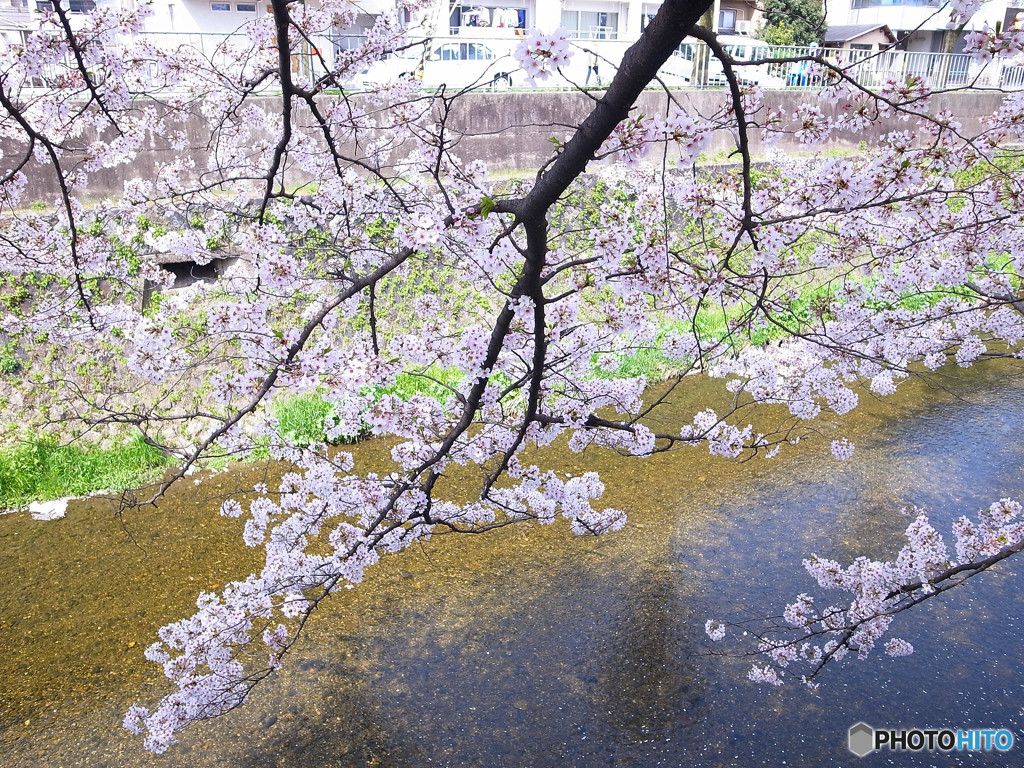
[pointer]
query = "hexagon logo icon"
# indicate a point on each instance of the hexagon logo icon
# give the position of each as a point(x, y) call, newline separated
point(861, 739)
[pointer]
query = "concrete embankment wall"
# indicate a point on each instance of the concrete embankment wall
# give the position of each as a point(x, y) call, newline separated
point(513, 132)
point(535, 118)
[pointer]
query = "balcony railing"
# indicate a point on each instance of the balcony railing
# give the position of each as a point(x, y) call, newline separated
point(595, 33)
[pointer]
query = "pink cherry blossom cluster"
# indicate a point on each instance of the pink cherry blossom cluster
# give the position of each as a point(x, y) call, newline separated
point(842, 449)
point(813, 125)
point(541, 55)
point(631, 139)
point(961, 11)
point(985, 44)
point(910, 93)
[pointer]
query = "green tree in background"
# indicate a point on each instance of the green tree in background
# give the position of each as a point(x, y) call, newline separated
point(793, 22)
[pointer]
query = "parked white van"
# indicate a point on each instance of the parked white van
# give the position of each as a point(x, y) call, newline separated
point(694, 64)
point(454, 64)
point(743, 48)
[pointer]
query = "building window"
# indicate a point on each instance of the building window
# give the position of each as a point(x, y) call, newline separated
point(727, 20)
point(479, 16)
point(245, 7)
point(74, 6)
point(591, 25)
point(220, 6)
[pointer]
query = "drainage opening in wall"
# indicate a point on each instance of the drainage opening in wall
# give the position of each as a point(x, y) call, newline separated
point(188, 272)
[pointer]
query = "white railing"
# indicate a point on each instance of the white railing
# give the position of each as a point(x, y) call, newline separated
point(692, 65)
point(871, 69)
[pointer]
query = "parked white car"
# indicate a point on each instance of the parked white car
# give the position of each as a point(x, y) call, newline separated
point(742, 48)
point(693, 63)
point(451, 64)
point(407, 63)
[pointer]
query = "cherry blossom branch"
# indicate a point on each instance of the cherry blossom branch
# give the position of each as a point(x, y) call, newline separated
point(881, 590)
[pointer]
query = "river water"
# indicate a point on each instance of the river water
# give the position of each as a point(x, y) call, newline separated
point(531, 647)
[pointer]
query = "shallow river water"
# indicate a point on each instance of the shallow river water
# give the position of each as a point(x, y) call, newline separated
point(531, 647)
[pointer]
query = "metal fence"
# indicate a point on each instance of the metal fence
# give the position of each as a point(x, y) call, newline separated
point(775, 67)
point(460, 61)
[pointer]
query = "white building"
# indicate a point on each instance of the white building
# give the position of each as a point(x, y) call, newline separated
point(585, 19)
point(197, 16)
point(190, 16)
point(15, 20)
point(919, 25)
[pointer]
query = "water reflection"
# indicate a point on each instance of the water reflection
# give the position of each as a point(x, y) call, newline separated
point(531, 648)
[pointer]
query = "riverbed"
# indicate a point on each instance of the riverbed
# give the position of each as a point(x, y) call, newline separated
point(532, 647)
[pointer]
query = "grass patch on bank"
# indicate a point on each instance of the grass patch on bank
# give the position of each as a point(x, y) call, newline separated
point(303, 418)
point(435, 382)
point(300, 418)
point(40, 469)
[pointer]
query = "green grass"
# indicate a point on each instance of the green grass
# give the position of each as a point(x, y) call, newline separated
point(648, 361)
point(41, 469)
point(9, 363)
point(434, 382)
point(300, 418)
